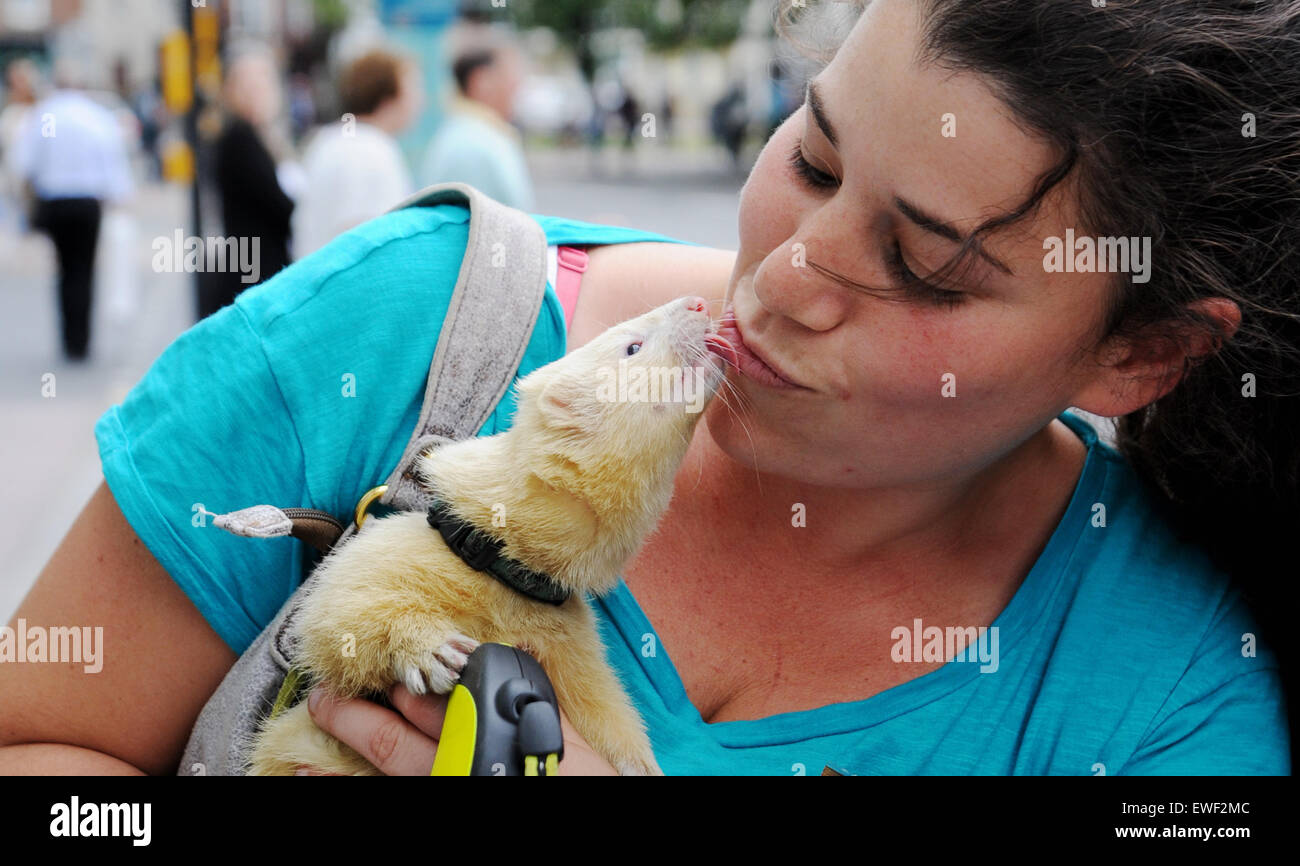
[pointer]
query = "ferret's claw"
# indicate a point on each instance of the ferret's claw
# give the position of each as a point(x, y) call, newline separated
point(413, 678)
point(440, 670)
point(452, 658)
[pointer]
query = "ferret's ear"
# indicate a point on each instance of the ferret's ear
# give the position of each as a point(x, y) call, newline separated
point(561, 405)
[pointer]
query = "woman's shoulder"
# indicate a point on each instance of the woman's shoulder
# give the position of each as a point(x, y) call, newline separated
point(624, 280)
point(1126, 579)
point(1138, 566)
point(406, 251)
point(1146, 590)
point(1160, 639)
point(386, 260)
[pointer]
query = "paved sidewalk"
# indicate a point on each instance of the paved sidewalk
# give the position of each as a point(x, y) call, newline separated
point(47, 450)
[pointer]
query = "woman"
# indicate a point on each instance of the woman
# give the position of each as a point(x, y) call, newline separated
point(253, 205)
point(901, 460)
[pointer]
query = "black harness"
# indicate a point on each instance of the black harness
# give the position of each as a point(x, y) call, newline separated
point(483, 553)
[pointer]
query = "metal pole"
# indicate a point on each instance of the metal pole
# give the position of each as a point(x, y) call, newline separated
point(192, 138)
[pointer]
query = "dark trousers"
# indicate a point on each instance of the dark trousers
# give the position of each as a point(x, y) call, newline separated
point(73, 225)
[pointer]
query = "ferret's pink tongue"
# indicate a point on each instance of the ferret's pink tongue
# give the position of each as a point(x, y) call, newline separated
point(722, 347)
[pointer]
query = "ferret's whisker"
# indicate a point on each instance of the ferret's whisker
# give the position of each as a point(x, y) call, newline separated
point(728, 390)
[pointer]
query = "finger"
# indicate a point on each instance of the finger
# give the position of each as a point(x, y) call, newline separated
point(304, 770)
point(391, 744)
point(426, 712)
point(580, 759)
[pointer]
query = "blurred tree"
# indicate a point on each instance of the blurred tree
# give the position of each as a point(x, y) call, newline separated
point(330, 15)
point(666, 23)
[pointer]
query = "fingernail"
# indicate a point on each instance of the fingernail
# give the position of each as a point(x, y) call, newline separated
point(314, 699)
point(302, 772)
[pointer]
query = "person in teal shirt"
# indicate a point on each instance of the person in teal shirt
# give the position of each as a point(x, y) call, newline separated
point(1078, 634)
point(894, 547)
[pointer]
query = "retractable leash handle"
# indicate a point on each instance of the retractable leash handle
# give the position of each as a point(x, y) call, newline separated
point(502, 718)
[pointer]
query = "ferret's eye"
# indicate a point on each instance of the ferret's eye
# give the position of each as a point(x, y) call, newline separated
point(633, 348)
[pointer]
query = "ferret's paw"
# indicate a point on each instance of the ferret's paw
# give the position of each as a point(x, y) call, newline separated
point(637, 760)
point(438, 670)
point(638, 768)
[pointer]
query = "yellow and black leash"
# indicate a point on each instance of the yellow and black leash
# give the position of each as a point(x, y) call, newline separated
point(502, 718)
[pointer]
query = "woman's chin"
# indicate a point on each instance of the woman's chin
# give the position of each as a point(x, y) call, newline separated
point(740, 438)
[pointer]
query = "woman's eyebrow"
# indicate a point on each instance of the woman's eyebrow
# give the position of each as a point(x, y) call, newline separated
point(814, 100)
point(945, 230)
point(926, 221)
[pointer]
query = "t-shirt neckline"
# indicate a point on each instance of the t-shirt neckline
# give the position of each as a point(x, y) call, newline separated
point(1026, 607)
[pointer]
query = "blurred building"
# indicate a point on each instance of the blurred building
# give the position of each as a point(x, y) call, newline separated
point(97, 33)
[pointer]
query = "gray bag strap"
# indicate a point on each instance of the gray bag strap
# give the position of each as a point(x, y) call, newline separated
point(494, 309)
point(489, 324)
point(490, 320)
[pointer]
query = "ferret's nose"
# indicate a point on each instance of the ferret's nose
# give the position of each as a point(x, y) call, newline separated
point(697, 304)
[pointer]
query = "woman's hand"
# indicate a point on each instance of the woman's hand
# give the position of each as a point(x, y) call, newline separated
point(404, 743)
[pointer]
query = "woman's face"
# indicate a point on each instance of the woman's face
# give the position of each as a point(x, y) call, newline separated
point(877, 368)
point(253, 89)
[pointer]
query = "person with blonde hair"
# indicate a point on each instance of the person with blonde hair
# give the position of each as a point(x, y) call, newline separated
point(253, 204)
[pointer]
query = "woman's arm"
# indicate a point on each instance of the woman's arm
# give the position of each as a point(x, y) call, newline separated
point(161, 660)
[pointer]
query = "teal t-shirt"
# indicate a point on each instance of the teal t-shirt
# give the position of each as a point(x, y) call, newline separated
point(1123, 651)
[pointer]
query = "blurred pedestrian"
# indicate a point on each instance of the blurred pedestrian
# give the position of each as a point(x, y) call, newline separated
point(72, 152)
point(729, 120)
point(476, 143)
point(785, 96)
point(666, 114)
point(354, 168)
point(302, 105)
point(146, 105)
point(629, 114)
point(21, 82)
point(253, 204)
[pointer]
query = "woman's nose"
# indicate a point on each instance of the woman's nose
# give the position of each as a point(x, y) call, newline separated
point(789, 284)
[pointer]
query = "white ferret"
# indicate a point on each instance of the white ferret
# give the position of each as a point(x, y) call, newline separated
point(582, 478)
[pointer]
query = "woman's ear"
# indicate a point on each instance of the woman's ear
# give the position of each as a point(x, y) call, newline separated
point(1224, 317)
point(1138, 370)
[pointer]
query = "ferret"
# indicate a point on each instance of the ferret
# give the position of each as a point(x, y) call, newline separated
point(572, 489)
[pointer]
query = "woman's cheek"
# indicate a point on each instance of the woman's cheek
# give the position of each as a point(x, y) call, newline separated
point(924, 375)
point(770, 202)
point(905, 356)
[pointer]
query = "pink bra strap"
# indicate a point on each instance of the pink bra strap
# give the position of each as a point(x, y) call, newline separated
point(572, 262)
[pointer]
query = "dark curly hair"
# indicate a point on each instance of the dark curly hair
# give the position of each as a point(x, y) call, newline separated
point(1178, 120)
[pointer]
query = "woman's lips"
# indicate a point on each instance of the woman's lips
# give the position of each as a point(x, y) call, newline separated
point(746, 360)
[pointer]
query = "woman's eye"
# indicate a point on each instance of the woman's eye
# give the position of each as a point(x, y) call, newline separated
point(633, 348)
point(917, 287)
point(805, 171)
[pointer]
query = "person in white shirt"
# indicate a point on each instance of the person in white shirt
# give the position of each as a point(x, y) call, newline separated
point(73, 153)
point(354, 169)
point(476, 142)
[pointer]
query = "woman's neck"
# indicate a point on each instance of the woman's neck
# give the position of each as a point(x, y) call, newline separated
point(1014, 503)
